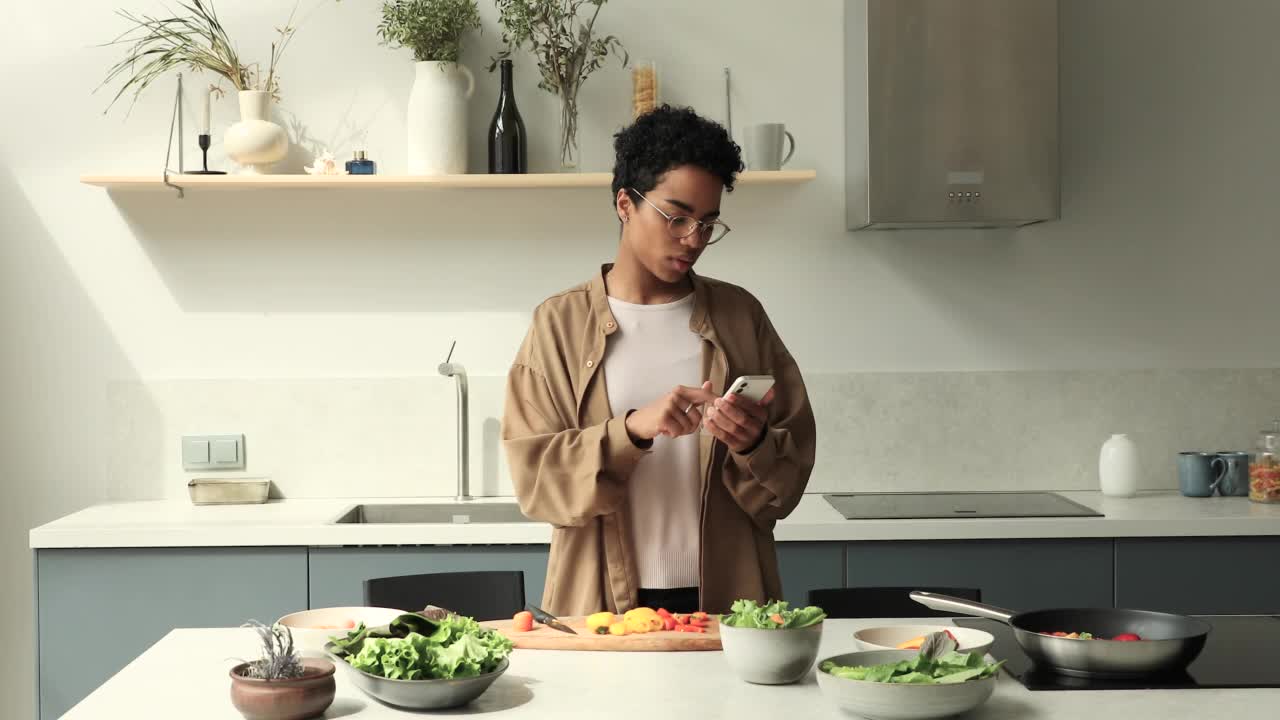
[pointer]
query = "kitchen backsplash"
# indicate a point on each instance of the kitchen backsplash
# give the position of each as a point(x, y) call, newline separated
point(877, 431)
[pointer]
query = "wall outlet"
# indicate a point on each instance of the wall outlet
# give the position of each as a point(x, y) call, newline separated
point(213, 452)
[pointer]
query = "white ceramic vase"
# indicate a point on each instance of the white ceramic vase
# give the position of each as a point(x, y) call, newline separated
point(255, 143)
point(437, 118)
point(1118, 467)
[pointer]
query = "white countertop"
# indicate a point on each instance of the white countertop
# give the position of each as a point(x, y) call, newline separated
point(185, 676)
point(171, 523)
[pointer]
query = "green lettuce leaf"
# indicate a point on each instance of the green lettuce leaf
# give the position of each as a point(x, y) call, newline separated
point(855, 672)
point(961, 675)
point(453, 646)
point(750, 614)
point(935, 664)
point(915, 678)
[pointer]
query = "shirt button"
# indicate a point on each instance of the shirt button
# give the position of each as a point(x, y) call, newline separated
point(609, 324)
point(591, 363)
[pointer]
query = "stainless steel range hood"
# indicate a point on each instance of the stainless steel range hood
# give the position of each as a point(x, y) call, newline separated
point(951, 113)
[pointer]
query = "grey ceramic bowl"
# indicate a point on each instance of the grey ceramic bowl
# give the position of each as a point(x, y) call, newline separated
point(888, 701)
point(420, 694)
point(770, 657)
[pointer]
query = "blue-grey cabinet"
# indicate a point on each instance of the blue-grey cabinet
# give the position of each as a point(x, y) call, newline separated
point(1016, 574)
point(1199, 576)
point(98, 609)
point(806, 566)
point(338, 574)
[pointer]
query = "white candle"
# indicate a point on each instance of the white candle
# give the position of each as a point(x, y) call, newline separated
point(207, 93)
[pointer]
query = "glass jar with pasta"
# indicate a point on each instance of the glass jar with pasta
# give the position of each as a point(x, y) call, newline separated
point(644, 87)
point(1264, 467)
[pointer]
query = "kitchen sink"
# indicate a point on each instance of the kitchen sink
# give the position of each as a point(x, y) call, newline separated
point(452, 513)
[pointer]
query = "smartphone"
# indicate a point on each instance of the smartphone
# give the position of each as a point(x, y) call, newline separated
point(751, 387)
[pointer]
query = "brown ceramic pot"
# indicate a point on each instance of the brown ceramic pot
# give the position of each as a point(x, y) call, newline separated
point(297, 699)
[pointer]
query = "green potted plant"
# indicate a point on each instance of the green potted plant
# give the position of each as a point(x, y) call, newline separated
point(561, 35)
point(194, 38)
point(437, 114)
point(281, 685)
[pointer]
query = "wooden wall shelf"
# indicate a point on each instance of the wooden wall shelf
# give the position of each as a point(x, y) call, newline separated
point(369, 182)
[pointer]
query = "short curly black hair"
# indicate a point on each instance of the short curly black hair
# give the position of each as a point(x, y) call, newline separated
point(666, 138)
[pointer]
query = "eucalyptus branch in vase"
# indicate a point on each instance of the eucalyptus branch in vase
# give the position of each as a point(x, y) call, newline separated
point(561, 35)
point(192, 37)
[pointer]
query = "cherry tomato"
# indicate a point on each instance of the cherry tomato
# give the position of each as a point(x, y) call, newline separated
point(522, 621)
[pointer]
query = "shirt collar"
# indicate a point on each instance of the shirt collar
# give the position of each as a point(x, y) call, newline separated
point(698, 320)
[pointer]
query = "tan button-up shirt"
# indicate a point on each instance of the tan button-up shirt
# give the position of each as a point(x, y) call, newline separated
point(570, 459)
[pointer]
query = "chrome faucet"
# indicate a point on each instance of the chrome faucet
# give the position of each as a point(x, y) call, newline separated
point(454, 370)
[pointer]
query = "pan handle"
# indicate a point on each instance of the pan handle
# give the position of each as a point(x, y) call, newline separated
point(960, 606)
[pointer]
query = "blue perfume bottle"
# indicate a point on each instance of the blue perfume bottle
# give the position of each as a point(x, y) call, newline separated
point(361, 165)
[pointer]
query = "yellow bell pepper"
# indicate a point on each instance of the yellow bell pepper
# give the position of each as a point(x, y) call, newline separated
point(599, 623)
point(640, 612)
point(618, 628)
point(637, 625)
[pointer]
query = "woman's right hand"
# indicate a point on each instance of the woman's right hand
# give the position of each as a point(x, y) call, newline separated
point(676, 413)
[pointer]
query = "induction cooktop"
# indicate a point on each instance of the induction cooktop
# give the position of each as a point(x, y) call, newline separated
point(1242, 651)
point(903, 506)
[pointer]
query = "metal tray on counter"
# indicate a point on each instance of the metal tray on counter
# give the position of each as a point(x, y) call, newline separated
point(228, 491)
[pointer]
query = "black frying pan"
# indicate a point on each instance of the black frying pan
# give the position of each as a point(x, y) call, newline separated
point(1169, 642)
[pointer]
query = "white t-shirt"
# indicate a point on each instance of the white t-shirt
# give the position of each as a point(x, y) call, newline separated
point(652, 351)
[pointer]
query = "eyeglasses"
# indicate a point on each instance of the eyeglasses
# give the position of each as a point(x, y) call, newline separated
point(682, 226)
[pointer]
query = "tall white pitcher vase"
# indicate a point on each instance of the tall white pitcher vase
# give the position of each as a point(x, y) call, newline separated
point(255, 143)
point(437, 118)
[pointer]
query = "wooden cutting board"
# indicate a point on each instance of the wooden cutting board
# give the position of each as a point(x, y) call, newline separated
point(542, 637)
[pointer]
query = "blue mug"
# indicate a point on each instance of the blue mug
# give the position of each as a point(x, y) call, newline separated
point(1201, 474)
point(1233, 473)
point(1197, 474)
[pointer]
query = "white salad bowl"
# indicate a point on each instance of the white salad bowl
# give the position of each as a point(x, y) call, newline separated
point(311, 629)
point(889, 637)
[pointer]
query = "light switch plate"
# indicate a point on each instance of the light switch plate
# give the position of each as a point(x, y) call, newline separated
point(195, 452)
point(213, 452)
point(224, 452)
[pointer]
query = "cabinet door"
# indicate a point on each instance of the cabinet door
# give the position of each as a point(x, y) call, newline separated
point(1015, 574)
point(98, 609)
point(1199, 576)
point(809, 566)
point(338, 574)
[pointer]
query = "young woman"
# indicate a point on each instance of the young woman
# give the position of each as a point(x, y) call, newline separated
point(660, 492)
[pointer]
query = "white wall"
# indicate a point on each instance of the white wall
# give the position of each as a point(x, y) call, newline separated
point(314, 321)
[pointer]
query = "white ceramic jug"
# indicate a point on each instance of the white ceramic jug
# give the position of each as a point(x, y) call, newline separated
point(437, 118)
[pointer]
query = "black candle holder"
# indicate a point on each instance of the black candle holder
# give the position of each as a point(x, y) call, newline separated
point(204, 150)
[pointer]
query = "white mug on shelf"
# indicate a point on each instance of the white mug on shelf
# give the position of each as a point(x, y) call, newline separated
point(764, 146)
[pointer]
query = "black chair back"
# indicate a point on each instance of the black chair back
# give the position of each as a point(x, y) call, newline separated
point(883, 602)
point(484, 595)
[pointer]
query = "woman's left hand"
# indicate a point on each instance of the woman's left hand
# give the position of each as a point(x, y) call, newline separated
point(737, 421)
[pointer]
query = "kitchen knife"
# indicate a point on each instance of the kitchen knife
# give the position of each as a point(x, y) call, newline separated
point(550, 620)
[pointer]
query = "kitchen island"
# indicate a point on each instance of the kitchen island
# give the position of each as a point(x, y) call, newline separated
point(184, 675)
point(154, 566)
